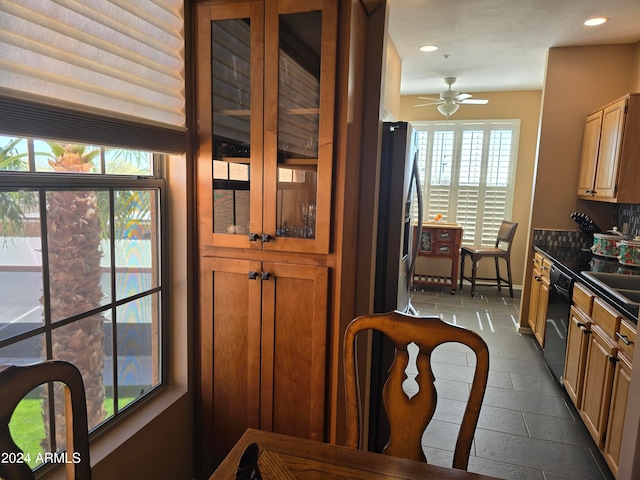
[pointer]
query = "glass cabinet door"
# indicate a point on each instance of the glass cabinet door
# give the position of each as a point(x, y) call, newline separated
point(230, 168)
point(266, 83)
point(300, 61)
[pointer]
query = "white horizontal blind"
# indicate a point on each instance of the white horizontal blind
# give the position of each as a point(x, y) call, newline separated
point(120, 56)
point(467, 170)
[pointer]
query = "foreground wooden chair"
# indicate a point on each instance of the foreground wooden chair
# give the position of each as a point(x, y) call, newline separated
point(15, 383)
point(410, 413)
point(502, 249)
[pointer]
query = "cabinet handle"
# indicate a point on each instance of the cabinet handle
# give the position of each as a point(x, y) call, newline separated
point(624, 338)
point(581, 325)
point(266, 238)
point(613, 359)
point(543, 267)
point(535, 260)
point(253, 237)
point(265, 276)
point(253, 275)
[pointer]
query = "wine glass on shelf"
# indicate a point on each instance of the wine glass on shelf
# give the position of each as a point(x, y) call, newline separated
point(308, 215)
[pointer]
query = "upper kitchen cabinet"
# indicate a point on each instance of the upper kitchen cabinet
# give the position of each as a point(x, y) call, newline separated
point(609, 170)
point(266, 83)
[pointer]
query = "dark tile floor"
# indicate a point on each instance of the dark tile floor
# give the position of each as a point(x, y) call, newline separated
point(528, 428)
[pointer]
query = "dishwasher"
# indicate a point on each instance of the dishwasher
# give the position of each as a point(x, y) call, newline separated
point(558, 311)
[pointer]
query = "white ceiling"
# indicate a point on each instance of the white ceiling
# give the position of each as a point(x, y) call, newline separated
point(498, 45)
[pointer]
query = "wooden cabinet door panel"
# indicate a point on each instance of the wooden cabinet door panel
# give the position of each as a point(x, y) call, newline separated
point(598, 378)
point(294, 349)
point(230, 352)
point(533, 299)
point(588, 161)
point(577, 342)
point(299, 123)
point(230, 80)
point(619, 396)
point(541, 311)
point(613, 119)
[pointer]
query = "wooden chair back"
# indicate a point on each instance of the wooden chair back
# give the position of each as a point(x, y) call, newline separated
point(410, 413)
point(15, 383)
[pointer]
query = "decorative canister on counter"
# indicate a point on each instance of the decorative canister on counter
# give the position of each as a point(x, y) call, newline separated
point(630, 252)
point(606, 244)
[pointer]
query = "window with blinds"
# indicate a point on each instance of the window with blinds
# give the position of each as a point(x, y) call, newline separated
point(467, 170)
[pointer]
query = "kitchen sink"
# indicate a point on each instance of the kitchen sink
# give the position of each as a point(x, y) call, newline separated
point(625, 287)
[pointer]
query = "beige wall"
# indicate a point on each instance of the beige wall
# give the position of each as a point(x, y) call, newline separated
point(391, 83)
point(523, 105)
point(634, 84)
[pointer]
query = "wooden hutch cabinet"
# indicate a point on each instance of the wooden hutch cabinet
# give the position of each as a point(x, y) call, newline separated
point(266, 98)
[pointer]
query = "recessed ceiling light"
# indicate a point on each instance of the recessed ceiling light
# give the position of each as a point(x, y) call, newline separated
point(595, 21)
point(429, 48)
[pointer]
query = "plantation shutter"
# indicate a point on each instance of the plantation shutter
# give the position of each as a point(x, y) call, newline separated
point(468, 174)
point(120, 61)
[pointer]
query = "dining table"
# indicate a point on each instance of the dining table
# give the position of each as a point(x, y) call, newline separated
point(283, 457)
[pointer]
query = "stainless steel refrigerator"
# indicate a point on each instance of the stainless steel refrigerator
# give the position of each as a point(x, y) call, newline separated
point(400, 191)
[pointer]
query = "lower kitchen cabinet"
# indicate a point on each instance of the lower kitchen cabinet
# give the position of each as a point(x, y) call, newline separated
point(539, 299)
point(597, 375)
point(263, 350)
point(598, 379)
point(577, 343)
point(619, 396)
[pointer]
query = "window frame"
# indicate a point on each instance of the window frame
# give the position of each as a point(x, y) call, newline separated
point(453, 189)
point(42, 183)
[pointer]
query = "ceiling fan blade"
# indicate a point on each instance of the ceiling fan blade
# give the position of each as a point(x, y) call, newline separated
point(476, 101)
point(463, 96)
point(430, 103)
point(429, 98)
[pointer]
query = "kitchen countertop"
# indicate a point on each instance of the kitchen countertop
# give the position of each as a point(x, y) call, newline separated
point(573, 260)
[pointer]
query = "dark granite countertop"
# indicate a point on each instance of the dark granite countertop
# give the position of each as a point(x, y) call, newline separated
point(573, 260)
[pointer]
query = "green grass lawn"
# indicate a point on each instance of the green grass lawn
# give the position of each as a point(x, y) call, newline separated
point(27, 426)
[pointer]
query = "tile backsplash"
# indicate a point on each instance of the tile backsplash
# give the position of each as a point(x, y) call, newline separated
point(565, 238)
point(629, 214)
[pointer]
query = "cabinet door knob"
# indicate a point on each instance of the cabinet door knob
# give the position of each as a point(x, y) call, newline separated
point(253, 275)
point(265, 276)
point(253, 237)
point(266, 238)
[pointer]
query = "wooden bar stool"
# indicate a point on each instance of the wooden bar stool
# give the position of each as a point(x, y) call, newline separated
point(477, 252)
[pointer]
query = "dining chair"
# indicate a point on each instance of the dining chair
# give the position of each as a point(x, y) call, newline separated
point(409, 394)
point(15, 383)
point(502, 249)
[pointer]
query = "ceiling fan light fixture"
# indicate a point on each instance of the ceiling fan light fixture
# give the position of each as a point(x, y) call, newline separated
point(448, 108)
point(429, 48)
point(592, 22)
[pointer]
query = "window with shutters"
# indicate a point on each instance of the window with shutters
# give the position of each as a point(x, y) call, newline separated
point(467, 170)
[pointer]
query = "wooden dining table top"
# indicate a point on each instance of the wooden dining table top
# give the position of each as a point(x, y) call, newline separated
point(283, 457)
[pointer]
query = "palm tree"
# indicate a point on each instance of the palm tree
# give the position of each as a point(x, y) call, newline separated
point(74, 235)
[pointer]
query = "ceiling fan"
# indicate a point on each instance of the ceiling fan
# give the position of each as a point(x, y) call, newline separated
point(450, 100)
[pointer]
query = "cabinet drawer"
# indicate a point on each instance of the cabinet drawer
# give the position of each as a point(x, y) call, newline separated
point(445, 236)
point(582, 298)
point(626, 337)
point(443, 249)
point(537, 259)
point(605, 317)
point(545, 269)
